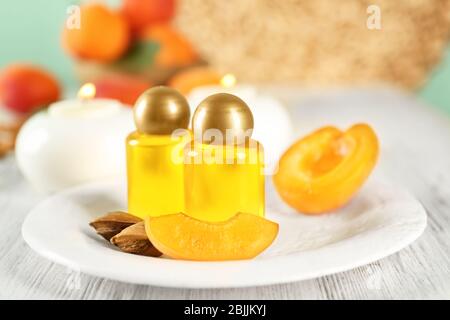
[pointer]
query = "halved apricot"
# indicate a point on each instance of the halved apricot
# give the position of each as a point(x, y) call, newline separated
point(322, 171)
point(181, 237)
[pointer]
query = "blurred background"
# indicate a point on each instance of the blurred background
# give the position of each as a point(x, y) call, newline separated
point(125, 46)
point(31, 32)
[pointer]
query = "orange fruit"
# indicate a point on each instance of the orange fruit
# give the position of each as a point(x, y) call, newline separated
point(322, 171)
point(174, 50)
point(103, 34)
point(141, 13)
point(181, 237)
point(121, 87)
point(188, 79)
point(24, 88)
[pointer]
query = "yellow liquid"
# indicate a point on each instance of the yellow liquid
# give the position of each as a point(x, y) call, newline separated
point(221, 181)
point(155, 174)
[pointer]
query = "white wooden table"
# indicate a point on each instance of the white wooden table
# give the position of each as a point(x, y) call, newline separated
point(415, 153)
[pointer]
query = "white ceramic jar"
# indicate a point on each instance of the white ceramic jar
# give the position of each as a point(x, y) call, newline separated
point(74, 142)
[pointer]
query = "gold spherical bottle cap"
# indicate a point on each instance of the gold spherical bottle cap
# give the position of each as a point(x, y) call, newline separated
point(161, 110)
point(223, 114)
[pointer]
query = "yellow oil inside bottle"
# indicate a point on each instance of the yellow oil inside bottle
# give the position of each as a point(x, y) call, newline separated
point(155, 174)
point(220, 181)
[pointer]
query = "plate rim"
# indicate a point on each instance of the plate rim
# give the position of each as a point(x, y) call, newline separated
point(39, 247)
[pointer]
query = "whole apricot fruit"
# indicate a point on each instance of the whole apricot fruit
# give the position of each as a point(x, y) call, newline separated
point(24, 88)
point(174, 50)
point(322, 171)
point(181, 237)
point(188, 79)
point(141, 13)
point(124, 88)
point(103, 35)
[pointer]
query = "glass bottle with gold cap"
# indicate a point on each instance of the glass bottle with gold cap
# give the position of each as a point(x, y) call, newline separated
point(155, 154)
point(223, 166)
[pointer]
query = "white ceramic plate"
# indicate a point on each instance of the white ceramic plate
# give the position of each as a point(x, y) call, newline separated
point(381, 220)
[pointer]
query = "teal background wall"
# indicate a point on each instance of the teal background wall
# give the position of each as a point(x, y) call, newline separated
point(437, 90)
point(30, 31)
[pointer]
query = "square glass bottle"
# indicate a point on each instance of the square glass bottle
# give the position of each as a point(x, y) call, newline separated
point(223, 166)
point(155, 155)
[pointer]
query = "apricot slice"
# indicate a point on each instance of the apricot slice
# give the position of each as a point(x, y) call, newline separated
point(179, 236)
point(322, 171)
